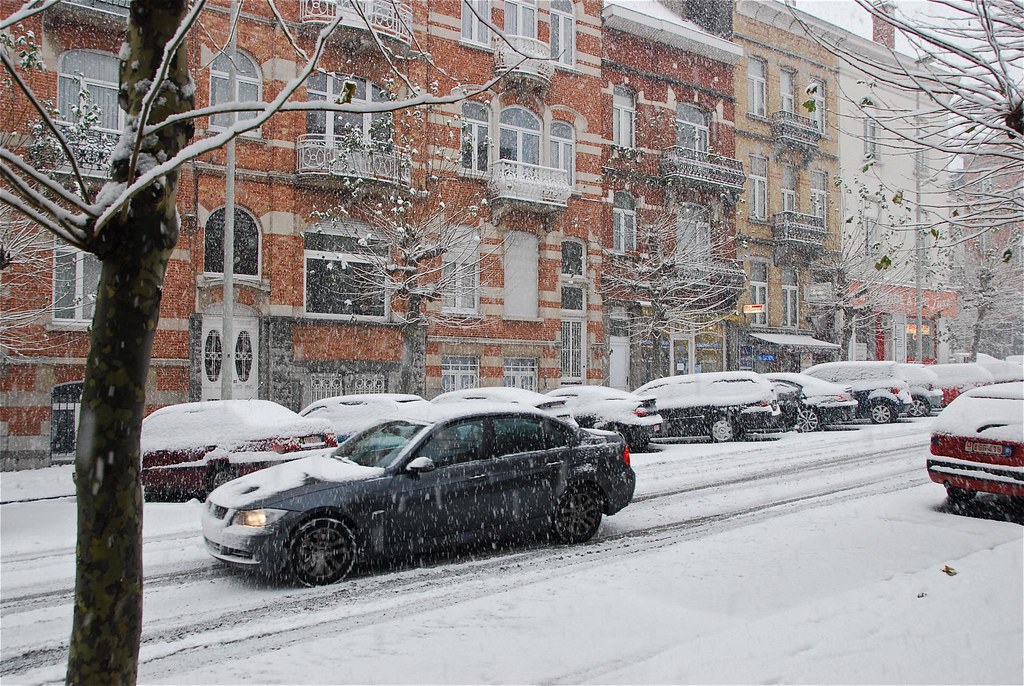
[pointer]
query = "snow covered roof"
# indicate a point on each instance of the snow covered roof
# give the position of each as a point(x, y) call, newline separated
point(653, 21)
point(793, 340)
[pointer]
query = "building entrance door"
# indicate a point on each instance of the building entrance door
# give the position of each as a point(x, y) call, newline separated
point(244, 361)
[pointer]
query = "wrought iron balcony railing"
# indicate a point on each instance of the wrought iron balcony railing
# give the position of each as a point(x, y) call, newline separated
point(798, 229)
point(545, 187)
point(524, 58)
point(702, 167)
point(392, 18)
point(320, 155)
point(714, 273)
point(794, 129)
point(114, 7)
point(92, 148)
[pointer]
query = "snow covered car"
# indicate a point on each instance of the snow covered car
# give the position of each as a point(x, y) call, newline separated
point(978, 443)
point(957, 377)
point(350, 414)
point(556, 407)
point(410, 486)
point(880, 389)
point(924, 389)
point(191, 448)
point(821, 402)
point(600, 407)
point(1002, 371)
point(722, 405)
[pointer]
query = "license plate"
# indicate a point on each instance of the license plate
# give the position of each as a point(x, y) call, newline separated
point(984, 448)
point(310, 440)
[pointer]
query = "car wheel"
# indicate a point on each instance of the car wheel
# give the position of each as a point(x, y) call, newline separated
point(322, 552)
point(920, 408)
point(881, 413)
point(577, 514)
point(807, 420)
point(723, 430)
point(959, 496)
point(218, 477)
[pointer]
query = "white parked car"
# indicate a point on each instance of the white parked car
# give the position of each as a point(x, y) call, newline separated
point(599, 407)
point(350, 414)
point(880, 388)
point(556, 407)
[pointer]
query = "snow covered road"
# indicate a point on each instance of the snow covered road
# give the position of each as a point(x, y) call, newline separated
point(814, 558)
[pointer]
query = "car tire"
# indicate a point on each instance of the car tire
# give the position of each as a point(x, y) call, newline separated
point(959, 496)
point(807, 420)
point(723, 429)
point(218, 476)
point(322, 551)
point(577, 514)
point(920, 408)
point(882, 413)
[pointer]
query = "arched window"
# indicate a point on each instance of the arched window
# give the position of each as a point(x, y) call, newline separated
point(623, 222)
point(563, 32)
point(692, 130)
point(476, 144)
point(94, 73)
point(562, 150)
point(519, 136)
point(364, 128)
point(247, 244)
point(693, 233)
point(248, 82)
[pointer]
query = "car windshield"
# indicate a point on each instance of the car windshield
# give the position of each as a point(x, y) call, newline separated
point(378, 446)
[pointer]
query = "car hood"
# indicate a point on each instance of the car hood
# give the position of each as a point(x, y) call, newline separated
point(273, 481)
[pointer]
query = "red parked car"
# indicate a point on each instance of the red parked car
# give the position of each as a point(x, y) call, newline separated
point(978, 443)
point(957, 377)
point(189, 449)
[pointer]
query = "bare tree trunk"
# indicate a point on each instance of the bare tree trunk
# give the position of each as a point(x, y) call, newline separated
point(134, 250)
point(414, 350)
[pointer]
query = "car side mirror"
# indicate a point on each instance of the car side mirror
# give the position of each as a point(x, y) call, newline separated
point(420, 465)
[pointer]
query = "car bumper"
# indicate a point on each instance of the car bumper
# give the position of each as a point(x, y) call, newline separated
point(986, 478)
point(241, 545)
point(837, 415)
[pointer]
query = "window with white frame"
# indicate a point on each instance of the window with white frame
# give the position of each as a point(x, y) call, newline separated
point(787, 88)
point(522, 286)
point(788, 188)
point(342, 278)
point(870, 139)
point(473, 29)
point(246, 246)
point(248, 85)
point(459, 372)
point(562, 149)
point(692, 131)
point(563, 32)
point(816, 94)
point(758, 193)
point(757, 87)
point(521, 372)
point(870, 219)
point(476, 143)
point(76, 277)
point(519, 135)
point(759, 291)
point(623, 118)
point(623, 222)
point(693, 233)
point(348, 127)
point(95, 73)
point(790, 298)
point(521, 18)
point(460, 274)
point(572, 350)
point(819, 195)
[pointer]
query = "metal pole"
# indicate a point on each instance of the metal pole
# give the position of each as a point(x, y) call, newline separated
point(918, 244)
point(228, 369)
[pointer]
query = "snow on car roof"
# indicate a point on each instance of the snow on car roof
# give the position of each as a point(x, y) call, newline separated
point(503, 393)
point(961, 372)
point(1013, 390)
point(349, 414)
point(719, 388)
point(812, 386)
point(594, 393)
point(918, 374)
point(364, 399)
point(1001, 370)
point(993, 412)
point(224, 423)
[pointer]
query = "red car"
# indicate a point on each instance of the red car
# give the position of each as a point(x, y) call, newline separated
point(978, 443)
point(957, 377)
point(189, 449)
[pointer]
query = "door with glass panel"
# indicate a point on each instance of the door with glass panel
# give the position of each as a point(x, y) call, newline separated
point(242, 365)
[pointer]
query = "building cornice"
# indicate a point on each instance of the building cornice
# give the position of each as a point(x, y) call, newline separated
point(676, 34)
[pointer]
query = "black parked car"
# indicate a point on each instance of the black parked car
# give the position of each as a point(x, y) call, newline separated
point(409, 486)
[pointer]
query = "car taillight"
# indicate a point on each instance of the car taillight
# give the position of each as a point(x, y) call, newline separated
point(894, 390)
point(625, 454)
point(640, 412)
point(766, 403)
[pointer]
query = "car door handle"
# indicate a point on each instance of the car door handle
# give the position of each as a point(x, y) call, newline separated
point(478, 477)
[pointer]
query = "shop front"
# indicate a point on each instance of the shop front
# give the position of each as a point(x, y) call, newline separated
point(765, 352)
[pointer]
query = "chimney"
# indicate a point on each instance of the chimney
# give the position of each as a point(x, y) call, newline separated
point(883, 32)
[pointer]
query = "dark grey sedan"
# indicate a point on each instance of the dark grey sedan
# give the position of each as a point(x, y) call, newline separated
point(412, 486)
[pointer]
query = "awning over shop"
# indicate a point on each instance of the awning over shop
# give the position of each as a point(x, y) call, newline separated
point(793, 340)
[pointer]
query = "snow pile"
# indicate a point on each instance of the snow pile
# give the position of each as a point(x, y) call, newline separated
point(992, 412)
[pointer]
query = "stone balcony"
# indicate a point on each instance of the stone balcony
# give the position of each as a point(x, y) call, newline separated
point(714, 273)
point(795, 230)
point(537, 188)
point(525, 61)
point(795, 130)
point(389, 18)
point(702, 168)
point(318, 156)
point(89, 14)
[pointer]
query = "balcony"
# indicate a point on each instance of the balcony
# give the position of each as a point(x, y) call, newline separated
point(795, 130)
point(104, 14)
point(795, 230)
point(92, 148)
point(714, 274)
point(389, 18)
point(525, 61)
point(686, 165)
point(322, 156)
point(544, 189)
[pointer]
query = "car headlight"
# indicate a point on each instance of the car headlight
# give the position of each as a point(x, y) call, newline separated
point(257, 519)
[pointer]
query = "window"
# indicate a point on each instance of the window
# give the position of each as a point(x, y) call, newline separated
point(522, 257)
point(521, 372)
point(788, 188)
point(95, 73)
point(790, 300)
point(519, 136)
point(349, 127)
point(623, 118)
point(247, 244)
point(341, 279)
point(521, 18)
point(759, 291)
point(756, 87)
point(248, 86)
point(816, 93)
point(563, 32)
point(572, 298)
point(572, 258)
point(562, 150)
point(513, 435)
point(455, 444)
point(693, 233)
point(460, 275)
point(870, 139)
point(871, 228)
point(819, 195)
point(787, 86)
point(758, 197)
point(76, 276)
point(476, 144)
point(692, 130)
point(474, 30)
point(623, 222)
point(572, 350)
point(459, 372)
